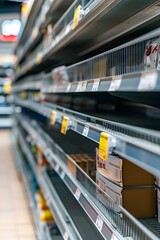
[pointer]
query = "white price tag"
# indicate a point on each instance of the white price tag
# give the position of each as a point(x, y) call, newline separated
point(49, 158)
point(57, 168)
point(115, 83)
point(148, 81)
point(79, 87)
point(46, 152)
point(99, 223)
point(62, 175)
point(77, 194)
point(68, 87)
point(95, 85)
point(65, 236)
point(114, 237)
point(126, 238)
point(85, 131)
point(84, 86)
point(53, 89)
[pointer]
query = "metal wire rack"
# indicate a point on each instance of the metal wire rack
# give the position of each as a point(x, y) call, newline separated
point(122, 221)
point(135, 56)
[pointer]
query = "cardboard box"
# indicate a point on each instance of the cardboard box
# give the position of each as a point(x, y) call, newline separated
point(123, 172)
point(158, 204)
point(139, 201)
point(86, 162)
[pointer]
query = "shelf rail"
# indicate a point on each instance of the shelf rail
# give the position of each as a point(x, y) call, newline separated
point(138, 55)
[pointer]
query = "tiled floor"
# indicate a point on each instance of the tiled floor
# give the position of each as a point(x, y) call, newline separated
point(15, 217)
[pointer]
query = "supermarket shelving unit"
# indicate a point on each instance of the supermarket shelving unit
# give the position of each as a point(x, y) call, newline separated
point(5, 109)
point(120, 86)
point(43, 230)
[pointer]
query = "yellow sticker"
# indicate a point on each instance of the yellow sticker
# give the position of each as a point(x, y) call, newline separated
point(52, 119)
point(76, 17)
point(39, 58)
point(64, 125)
point(103, 146)
point(7, 87)
point(17, 68)
point(39, 154)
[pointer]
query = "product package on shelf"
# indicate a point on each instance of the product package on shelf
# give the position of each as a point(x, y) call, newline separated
point(151, 54)
point(123, 172)
point(140, 201)
point(41, 159)
point(86, 162)
point(45, 214)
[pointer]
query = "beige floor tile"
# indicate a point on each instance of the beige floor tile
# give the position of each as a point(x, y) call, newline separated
point(15, 217)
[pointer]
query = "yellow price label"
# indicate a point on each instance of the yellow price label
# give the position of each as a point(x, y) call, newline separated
point(103, 146)
point(7, 87)
point(52, 119)
point(64, 125)
point(39, 58)
point(76, 17)
point(17, 68)
point(39, 153)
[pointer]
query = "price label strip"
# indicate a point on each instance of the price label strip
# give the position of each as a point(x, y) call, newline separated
point(103, 146)
point(64, 125)
point(53, 118)
point(76, 17)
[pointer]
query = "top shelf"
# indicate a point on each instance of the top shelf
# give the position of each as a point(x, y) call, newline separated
point(65, 39)
point(49, 13)
point(26, 25)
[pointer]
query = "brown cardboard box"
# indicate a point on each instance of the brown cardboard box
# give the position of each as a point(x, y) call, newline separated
point(123, 172)
point(86, 163)
point(139, 201)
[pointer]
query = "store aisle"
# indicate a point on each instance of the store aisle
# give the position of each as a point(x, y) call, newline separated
point(15, 217)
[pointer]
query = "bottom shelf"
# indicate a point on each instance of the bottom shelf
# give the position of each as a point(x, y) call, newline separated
point(44, 231)
point(153, 225)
